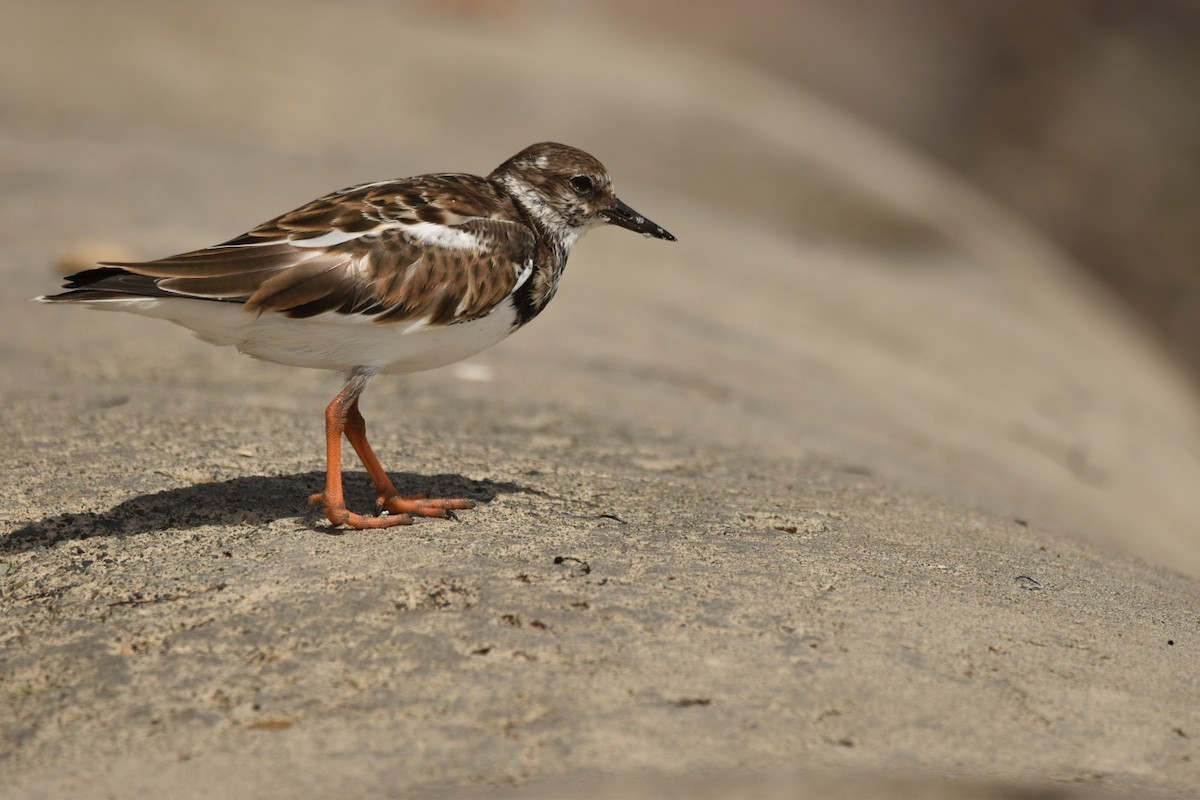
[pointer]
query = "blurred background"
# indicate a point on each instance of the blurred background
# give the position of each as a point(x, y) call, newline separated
point(866, 325)
point(1081, 115)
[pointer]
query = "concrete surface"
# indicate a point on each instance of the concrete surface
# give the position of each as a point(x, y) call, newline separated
point(858, 480)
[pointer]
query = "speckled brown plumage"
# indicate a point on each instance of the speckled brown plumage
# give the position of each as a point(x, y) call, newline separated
point(385, 271)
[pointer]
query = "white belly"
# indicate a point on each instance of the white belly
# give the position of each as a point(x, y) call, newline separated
point(328, 341)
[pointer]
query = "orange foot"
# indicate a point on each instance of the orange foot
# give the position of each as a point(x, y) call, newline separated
point(400, 510)
point(424, 506)
point(342, 418)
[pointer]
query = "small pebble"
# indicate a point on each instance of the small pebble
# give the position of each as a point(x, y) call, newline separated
point(1029, 583)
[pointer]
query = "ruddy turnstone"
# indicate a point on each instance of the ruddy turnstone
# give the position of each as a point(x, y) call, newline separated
point(391, 277)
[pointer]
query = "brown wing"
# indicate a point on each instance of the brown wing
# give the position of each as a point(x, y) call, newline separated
point(443, 247)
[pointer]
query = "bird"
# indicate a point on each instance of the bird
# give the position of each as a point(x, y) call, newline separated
point(391, 277)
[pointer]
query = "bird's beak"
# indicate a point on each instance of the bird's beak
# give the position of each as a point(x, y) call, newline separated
point(623, 216)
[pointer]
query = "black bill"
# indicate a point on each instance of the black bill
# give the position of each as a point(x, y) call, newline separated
point(623, 216)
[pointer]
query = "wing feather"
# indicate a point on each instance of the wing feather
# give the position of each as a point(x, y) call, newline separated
point(438, 248)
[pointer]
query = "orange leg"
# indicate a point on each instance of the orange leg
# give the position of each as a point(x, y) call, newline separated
point(342, 417)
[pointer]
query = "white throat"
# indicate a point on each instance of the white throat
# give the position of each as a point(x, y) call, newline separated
point(535, 203)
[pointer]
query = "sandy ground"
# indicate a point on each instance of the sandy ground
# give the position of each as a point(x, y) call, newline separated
point(858, 489)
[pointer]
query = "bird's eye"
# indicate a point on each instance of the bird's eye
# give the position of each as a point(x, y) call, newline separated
point(582, 183)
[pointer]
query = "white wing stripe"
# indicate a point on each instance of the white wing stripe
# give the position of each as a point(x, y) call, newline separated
point(427, 233)
point(331, 238)
point(437, 235)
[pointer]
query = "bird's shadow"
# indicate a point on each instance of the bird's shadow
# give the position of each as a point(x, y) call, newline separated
point(252, 500)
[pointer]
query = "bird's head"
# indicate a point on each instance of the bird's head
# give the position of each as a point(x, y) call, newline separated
point(568, 192)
